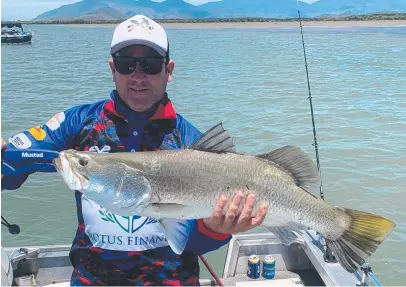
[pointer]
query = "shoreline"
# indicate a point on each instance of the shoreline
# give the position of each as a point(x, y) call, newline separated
point(270, 24)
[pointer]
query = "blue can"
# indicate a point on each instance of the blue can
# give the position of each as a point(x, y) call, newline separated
point(268, 267)
point(254, 270)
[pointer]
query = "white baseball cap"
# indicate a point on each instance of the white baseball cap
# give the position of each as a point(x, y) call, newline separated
point(140, 30)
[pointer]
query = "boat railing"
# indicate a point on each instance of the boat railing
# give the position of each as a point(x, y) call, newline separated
point(366, 272)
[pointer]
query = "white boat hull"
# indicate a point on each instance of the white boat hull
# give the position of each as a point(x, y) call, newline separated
point(298, 264)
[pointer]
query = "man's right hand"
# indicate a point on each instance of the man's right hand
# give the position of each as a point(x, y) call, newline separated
point(3, 146)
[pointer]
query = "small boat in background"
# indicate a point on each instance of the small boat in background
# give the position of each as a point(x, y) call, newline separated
point(14, 33)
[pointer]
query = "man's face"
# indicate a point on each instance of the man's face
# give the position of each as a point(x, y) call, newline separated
point(140, 90)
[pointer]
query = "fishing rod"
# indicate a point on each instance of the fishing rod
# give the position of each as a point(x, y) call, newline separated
point(328, 256)
point(316, 146)
point(212, 272)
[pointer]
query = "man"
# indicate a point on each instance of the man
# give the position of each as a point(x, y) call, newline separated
point(109, 249)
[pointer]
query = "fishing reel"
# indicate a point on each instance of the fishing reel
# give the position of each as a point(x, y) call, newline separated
point(12, 228)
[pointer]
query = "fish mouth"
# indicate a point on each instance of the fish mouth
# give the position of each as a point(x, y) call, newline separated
point(73, 179)
point(57, 164)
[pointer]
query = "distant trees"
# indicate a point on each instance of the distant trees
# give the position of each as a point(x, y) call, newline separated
point(368, 17)
point(364, 17)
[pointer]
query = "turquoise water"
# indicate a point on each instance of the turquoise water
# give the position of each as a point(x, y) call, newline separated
point(253, 80)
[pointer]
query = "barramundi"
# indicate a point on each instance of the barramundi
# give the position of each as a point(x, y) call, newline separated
point(174, 186)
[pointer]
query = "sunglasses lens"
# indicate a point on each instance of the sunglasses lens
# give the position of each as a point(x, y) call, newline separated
point(124, 65)
point(150, 65)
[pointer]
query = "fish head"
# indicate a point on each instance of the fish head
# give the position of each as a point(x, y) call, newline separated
point(75, 168)
point(112, 184)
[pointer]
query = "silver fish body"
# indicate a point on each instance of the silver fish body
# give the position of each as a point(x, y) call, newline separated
point(186, 184)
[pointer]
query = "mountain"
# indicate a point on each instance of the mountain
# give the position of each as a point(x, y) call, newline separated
point(102, 14)
point(92, 10)
point(70, 11)
point(352, 7)
point(180, 9)
point(253, 8)
point(122, 9)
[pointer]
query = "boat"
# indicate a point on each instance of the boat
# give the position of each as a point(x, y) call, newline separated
point(12, 33)
point(301, 263)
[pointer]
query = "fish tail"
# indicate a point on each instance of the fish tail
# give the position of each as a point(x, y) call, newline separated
point(365, 233)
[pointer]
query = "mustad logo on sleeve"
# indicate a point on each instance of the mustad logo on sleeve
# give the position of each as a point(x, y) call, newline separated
point(32, 155)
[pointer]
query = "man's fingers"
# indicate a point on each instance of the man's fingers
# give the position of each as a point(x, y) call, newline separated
point(247, 209)
point(218, 210)
point(260, 216)
point(232, 210)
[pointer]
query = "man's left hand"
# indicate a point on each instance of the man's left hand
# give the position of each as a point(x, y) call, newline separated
point(234, 222)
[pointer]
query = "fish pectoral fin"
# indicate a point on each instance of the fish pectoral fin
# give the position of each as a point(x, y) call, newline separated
point(287, 234)
point(297, 164)
point(215, 140)
point(176, 232)
point(133, 190)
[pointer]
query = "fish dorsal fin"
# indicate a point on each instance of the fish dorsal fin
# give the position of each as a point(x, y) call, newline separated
point(215, 139)
point(296, 163)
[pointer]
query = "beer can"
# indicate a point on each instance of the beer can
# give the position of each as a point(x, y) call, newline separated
point(254, 264)
point(268, 267)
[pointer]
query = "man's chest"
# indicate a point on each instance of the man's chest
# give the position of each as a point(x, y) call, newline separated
point(105, 136)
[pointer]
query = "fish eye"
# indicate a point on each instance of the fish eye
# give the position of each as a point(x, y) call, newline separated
point(83, 162)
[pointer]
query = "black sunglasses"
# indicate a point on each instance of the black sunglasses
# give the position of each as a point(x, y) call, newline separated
point(149, 65)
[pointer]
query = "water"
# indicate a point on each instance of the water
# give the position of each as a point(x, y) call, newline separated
point(254, 81)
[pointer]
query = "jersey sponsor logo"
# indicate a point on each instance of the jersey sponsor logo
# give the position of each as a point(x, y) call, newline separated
point(127, 243)
point(20, 141)
point(32, 154)
point(38, 133)
point(104, 149)
point(129, 224)
point(55, 122)
point(107, 230)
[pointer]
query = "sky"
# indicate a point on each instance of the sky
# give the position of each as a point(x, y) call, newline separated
point(29, 9)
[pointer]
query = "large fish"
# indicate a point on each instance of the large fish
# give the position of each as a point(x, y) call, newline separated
point(175, 185)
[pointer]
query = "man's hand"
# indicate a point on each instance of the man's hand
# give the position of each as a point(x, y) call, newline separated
point(232, 222)
point(3, 146)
